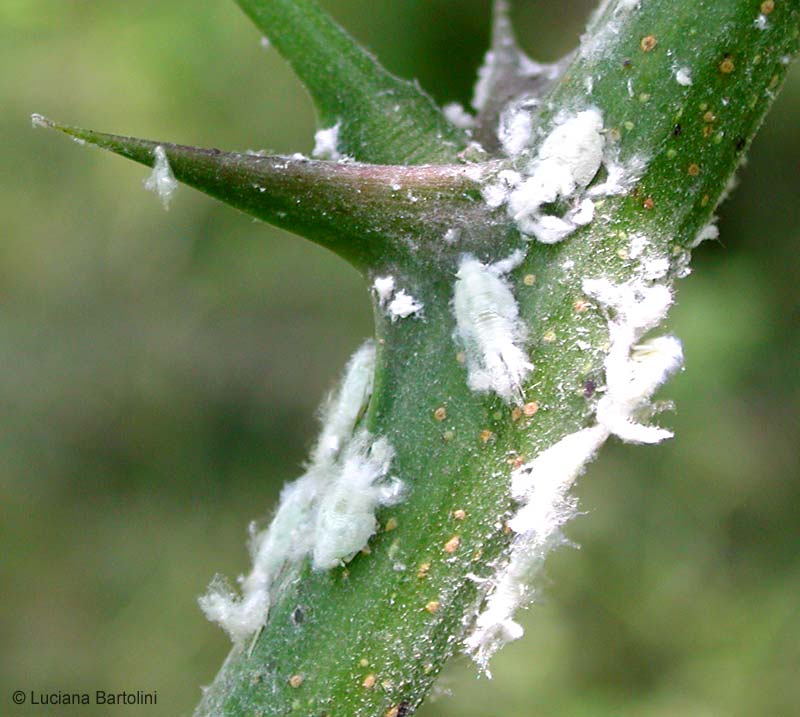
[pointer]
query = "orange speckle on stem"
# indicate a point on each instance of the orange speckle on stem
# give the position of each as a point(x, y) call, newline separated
point(530, 408)
point(648, 43)
point(693, 170)
point(391, 525)
point(459, 514)
point(529, 279)
point(486, 435)
point(440, 413)
point(423, 570)
point(727, 65)
point(767, 6)
point(369, 682)
point(452, 545)
point(295, 681)
point(648, 203)
point(433, 607)
point(581, 305)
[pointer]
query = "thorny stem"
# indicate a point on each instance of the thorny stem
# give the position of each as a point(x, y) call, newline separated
point(680, 88)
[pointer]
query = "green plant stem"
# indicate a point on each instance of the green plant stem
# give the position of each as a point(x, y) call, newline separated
point(384, 120)
point(373, 617)
point(682, 87)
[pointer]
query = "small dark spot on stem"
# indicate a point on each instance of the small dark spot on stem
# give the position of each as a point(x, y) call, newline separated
point(740, 143)
point(677, 131)
point(298, 615)
point(589, 388)
point(403, 709)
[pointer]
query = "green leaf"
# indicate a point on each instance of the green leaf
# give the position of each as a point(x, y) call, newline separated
point(382, 119)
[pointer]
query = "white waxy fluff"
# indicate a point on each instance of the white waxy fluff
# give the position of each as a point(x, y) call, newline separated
point(576, 146)
point(39, 121)
point(486, 71)
point(346, 405)
point(634, 371)
point(619, 177)
point(277, 550)
point(709, 231)
point(568, 159)
point(346, 520)
point(458, 116)
point(489, 328)
point(161, 180)
point(632, 377)
point(543, 488)
point(326, 143)
point(397, 304)
point(516, 128)
point(383, 286)
point(404, 305)
point(653, 262)
point(274, 552)
point(683, 76)
point(496, 192)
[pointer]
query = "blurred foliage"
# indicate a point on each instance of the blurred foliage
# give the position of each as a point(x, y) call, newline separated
point(159, 375)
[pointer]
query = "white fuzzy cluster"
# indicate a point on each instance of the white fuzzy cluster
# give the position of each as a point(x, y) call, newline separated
point(709, 232)
point(345, 519)
point(455, 113)
point(516, 129)
point(634, 371)
point(567, 161)
point(683, 76)
point(542, 486)
point(653, 264)
point(397, 304)
point(327, 514)
point(39, 121)
point(161, 180)
point(481, 92)
point(326, 143)
point(489, 327)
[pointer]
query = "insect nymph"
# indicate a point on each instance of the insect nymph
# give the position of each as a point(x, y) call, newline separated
point(489, 327)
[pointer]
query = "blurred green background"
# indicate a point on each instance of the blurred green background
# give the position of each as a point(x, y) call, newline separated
point(159, 375)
